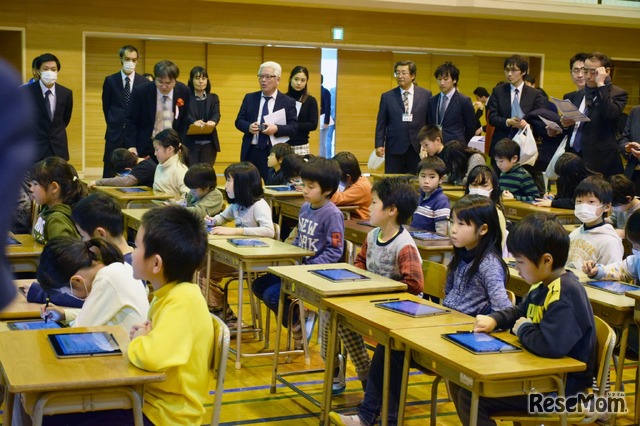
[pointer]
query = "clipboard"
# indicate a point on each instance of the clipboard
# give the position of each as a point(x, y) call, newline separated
point(197, 130)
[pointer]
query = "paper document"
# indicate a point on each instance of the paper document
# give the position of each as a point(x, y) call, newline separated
point(569, 110)
point(550, 124)
point(279, 118)
point(331, 122)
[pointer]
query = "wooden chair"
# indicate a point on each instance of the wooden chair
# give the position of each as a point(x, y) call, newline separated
point(512, 297)
point(435, 278)
point(221, 338)
point(605, 342)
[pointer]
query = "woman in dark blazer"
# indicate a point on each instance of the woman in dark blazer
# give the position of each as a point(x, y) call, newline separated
point(204, 111)
point(308, 111)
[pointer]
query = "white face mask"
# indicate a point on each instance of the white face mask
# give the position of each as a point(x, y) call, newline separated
point(341, 186)
point(480, 191)
point(48, 77)
point(128, 67)
point(586, 213)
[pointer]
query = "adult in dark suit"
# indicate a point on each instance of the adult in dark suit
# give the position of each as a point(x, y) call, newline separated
point(155, 107)
point(451, 110)
point(630, 146)
point(204, 109)
point(256, 143)
point(504, 115)
point(116, 93)
point(53, 104)
point(399, 122)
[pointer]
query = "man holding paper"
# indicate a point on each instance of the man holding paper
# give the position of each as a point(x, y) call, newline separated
point(266, 118)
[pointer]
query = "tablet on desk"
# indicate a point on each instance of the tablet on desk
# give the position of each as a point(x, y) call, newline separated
point(12, 241)
point(74, 345)
point(426, 236)
point(613, 286)
point(131, 190)
point(411, 308)
point(33, 325)
point(241, 242)
point(480, 343)
point(339, 274)
point(280, 187)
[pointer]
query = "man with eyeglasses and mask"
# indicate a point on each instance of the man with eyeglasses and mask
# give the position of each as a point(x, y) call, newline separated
point(255, 118)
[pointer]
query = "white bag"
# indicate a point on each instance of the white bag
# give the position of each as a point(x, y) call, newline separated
point(375, 163)
point(528, 147)
point(550, 173)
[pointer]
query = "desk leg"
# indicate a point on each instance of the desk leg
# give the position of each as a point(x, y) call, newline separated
point(208, 277)
point(404, 386)
point(327, 387)
point(239, 323)
point(623, 352)
point(9, 400)
point(385, 381)
point(473, 415)
point(278, 327)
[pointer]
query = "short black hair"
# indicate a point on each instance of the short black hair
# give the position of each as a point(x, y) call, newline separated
point(622, 188)
point(349, 165)
point(179, 237)
point(604, 60)
point(47, 57)
point(581, 56)
point(56, 169)
point(448, 68)
point(413, 70)
point(529, 79)
point(195, 72)
point(481, 92)
point(400, 193)
point(166, 68)
point(324, 171)
point(430, 132)
point(518, 61)
point(127, 48)
point(281, 150)
point(537, 234)
point(122, 159)
point(247, 183)
point(432, 163)
point(98, 210)
point(632, 228)
point(291, 165)
point(201, 175)
point(596, 186)
point(506, 148)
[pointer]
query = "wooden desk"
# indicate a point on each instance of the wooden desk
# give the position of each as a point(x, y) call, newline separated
point(436, 250)
point(291, 208)
point(379, 176)
point(20, 308)
point(273, 197)
point(128, 199)
point(75, 385)
point(132, 218)
point(358, 314)
point(489, 375)
point(635, 296)
point(24, 257)
point(251, 259)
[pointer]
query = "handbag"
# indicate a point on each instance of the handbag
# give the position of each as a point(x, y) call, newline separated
point(528, 147)
point(375, 163)
point(550, 173)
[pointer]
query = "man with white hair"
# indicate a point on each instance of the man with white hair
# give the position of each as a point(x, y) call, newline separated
point(258, 118)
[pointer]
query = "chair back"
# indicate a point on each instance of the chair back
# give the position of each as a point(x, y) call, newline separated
point(605, 342)
point(435, 278)
point(221, 338)
point(512, 297)
point(276, 231)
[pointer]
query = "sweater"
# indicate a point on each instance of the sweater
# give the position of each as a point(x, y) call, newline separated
point(179, 344)
point(356, 194)
point(628, 270)
point(307, 120)
point(255, 220)
point(141, 174)
point(397, 259)
point(169, 177)
point(321, 230)
point(210, 204)
point(54, 221)
point(562, 325)
point(276, 178)
point(434, 207)
point(519, 182)
point(601, 244)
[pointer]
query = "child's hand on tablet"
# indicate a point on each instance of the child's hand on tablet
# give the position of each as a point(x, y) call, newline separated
point(140, 330)
point(484, 324)
point(224, 230)
point(52, 313)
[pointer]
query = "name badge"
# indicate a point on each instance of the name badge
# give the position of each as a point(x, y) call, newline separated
point(407, 117)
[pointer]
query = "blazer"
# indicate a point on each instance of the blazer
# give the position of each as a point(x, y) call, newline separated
point(141, 116)
point(114, 108)
point(599, 142)
point(459, 121)
point(631, 133)
point(499, 106)
point(249, 113)
point(50, 133)
point(393, 133)
point(307, 122)
point(212, 112)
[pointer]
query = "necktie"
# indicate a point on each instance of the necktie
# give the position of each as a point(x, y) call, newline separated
point(47, 104)
point(405, 101)
point(516, 111)
point(167, 119)
point(263, 140)
point(577, 144)
point(127, 90)
point(444, 100)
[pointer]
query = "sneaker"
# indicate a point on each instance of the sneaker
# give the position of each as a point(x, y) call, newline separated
point(341, 420)
point(310, 323)
point(339, 381)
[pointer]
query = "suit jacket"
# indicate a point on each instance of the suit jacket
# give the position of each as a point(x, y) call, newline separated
point(599, 142)
point(459, 121)
point(249, 113)
point(631, 133)
point(114, 108)
point(393, 133)
point(141, 116)
point(51, 133)
point(499, 106)
point(212, 113)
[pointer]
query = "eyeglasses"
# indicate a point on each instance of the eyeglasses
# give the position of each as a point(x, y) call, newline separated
point(578, 70)
point(266, 76)
point(590, 71)
point(514, 70)
point(401, 73)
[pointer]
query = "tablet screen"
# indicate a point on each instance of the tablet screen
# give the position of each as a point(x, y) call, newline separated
point(12, 241)
point(339, 275)
point(613, 286)
point(131, 190)
point(241, 242)
point(280, 188)
point(32, 325)
point(480, 343)
point(411, 308)
point(84, 344)
point(426, 236)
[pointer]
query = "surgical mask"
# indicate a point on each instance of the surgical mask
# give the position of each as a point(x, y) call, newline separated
point(341, 186)
point(586, 213)
point(635, 252)
point(619, 209)
point(48, 77)
point(128, 67)
point(480, 191)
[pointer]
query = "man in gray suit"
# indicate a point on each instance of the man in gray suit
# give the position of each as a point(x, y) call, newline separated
point(402, 113)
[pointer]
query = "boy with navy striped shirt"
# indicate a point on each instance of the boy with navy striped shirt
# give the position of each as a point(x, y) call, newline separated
point(432, 214)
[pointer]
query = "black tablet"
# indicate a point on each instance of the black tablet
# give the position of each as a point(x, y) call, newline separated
point(12, 241)
point(131, 190)
point(480, 343)
point(241, 242)
point(365, 223)
point(33, 325)
point(74, 345)
point(426, 236)
point(411, 308)
point(613, 286)
point(339, 274)
point(280, 187)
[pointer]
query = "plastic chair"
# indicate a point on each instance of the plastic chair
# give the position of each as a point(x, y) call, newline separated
point(221, 338)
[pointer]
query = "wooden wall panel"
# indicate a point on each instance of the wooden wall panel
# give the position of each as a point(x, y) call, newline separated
point(468, 66)
point(11, 49)
point(185, 55)
point(424, 74)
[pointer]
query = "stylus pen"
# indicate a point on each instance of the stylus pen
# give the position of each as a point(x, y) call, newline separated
point(384, 300)
point(46, 315)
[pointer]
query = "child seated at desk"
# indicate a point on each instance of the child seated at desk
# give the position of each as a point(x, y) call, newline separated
point(274, 161)
point(204, 198)
point(595, 240)
point(515, 181)
point(130, 170)
point(624, 201)
point(430, 139)
point(460, 159)
point(354, 189)
point(571, 170)
point(432, 214)
point(555, 319)
point(173, 163)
